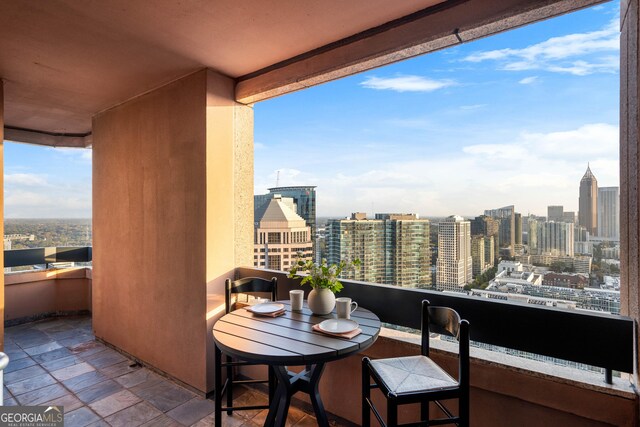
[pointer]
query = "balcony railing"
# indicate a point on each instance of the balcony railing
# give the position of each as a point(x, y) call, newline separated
point(46, 256)
point(597, 339)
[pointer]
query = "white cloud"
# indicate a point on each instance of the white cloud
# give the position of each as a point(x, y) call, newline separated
point(576, 54)
point(34, 204)
point(406, 83)
point(531, 170)
point(528, 80)
point(472, 107)
point(258, 146)
point(29, 179)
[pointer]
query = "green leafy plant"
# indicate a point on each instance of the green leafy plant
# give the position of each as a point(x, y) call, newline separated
point(323, 275)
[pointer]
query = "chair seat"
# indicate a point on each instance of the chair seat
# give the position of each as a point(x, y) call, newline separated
point(402, 375)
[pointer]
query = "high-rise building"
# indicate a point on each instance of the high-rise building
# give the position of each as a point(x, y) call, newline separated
point(609, 213)
point(489, 251)
point(393, 248)
point(488, 227)
point(478, 262)
point(455, 266)
point(588, 202)
point(281, 236)
point(507, 234)
point(555, 238)
point(555, 213)
point(304, 199)
point(532, 234)
point(569, 217)
point(518, 228)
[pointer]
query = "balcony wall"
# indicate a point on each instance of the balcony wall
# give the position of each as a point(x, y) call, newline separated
point(503, 393)
point(506, 390)
point(34, 294)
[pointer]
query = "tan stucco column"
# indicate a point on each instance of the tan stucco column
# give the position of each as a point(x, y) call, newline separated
point(2, 210)
point(172, 218)
point(629, 162)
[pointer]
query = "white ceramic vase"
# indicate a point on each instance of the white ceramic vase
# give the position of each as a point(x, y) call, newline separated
point(321, 301)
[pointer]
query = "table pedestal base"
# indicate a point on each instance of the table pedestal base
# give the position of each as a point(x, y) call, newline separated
point(289, 383)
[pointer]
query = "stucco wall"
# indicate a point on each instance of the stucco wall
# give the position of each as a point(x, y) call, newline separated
point(2, 206)
point(149, 206)
point(34, 293)
point(501, 394)
point(168, 227)
point(629, 176)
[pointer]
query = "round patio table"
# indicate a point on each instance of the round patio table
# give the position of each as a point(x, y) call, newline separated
point(288, 340)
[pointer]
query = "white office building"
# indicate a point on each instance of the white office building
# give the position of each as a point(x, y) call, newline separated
point(555, 238)
point(609, 213)
point(454, 265)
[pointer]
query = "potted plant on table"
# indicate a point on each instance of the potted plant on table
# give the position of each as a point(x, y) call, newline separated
point(324, 282)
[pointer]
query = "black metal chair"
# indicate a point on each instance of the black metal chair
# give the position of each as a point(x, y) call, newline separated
point(418, 379)
point(249, 285)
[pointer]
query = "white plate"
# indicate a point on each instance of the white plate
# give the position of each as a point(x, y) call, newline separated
point(266, 307)
point(338, 326)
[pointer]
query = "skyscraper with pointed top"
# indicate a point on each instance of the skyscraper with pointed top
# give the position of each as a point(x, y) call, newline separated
point(588, 202)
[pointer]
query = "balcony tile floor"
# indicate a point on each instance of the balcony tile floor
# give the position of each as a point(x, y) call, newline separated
point(59, 362)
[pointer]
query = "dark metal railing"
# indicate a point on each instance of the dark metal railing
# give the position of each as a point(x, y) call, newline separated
point(46, 256)
point(597, 339)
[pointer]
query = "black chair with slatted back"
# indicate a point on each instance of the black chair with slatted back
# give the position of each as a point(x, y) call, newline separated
point(418, 379)
point(249, 285)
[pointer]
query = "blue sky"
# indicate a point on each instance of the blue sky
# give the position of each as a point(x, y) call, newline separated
point(46, 182)
point(509, 119)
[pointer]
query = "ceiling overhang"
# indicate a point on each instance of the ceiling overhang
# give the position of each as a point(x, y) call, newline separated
point(64, 61)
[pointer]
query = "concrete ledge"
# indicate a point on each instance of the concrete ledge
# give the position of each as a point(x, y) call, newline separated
point(36, 294)
point(504, 390)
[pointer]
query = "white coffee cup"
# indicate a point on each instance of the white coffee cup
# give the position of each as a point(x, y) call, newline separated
point(296, 296)
point(344, 307)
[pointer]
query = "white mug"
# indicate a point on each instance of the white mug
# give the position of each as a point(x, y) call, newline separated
point(296, 296)
point(344, 307)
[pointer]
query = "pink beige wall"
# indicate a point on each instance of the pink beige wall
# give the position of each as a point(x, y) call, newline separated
point(169, 224)
point(500, 395)
point(2, 207)
point(32, 293)
point(629, 162)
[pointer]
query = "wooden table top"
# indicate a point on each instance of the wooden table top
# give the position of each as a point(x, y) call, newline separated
point(289, 339)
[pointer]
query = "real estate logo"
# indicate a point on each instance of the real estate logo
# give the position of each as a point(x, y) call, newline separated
point(31, 416)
